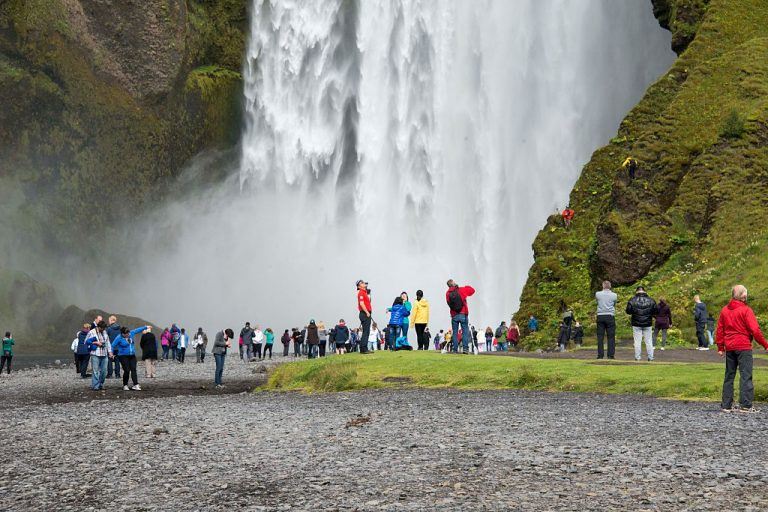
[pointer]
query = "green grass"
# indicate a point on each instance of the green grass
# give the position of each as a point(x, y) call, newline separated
point(437, 371)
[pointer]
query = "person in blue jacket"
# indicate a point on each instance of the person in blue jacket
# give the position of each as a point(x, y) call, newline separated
point(533, 324)
point(125, 351)
point(113, 331)
point(398, 312)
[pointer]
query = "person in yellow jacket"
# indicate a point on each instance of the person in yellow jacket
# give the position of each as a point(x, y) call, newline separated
point(630, 164)
point(420, 319)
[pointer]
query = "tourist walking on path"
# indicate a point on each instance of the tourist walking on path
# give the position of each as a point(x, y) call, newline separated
point(221, 343)
point(736, 328)
point(83, 352)
point(258, 341)
point(269, 340)
point(456, 298)
point(7, 357)
point(606, 320)
point(183, 344)
point(125, 352)
point(700, 318)
point(340, 336)
point(365, 312)
point(113, 331)
point(322, 332)
point(420, 319)
point(165, 342)
point(286, 341)
point(663, 322)
point(313, 340)
point(246, 335)
point(711, 329)
point(148, 344)
point(533, 324)
point(201, 342)
point(100, 349)
point(501, 337)
point(642, 309)
point(397, 312)
point(513, 334)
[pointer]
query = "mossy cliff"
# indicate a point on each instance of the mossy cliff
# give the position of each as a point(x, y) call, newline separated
point(103, 102)
point(694, 220)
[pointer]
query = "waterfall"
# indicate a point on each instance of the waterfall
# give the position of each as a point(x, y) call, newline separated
point(404, 142)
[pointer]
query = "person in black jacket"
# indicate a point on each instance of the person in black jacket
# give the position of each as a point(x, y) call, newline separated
point(578, 334)
point(642, 309)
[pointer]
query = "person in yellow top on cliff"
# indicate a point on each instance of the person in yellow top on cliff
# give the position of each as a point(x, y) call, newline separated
point(420, 319)
point(630, 164)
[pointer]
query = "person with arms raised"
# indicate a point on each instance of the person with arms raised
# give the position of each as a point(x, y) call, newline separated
point(125, 353)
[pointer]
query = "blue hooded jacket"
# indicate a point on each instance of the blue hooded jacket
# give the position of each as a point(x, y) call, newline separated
point(398, 313)
point(125, 347)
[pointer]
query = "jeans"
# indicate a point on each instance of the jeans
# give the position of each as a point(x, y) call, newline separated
point(421, 338)
point(606, 324)
point(405, 329)
point(165, 351)
point(129, 367)
point(503, 346)
point(700, 328)
point(219, 367)
point(371, 346)
point(365, 322)
point(286, 349)
point(311, 351)
point(710, 337)
point(394, 333)
point(268, 346)
point(247, 352)
point(6, 359)
point(173, 353)
point(640, 333)
point(296, 349)
point(113, 367)
point(741, 360)
point(663, 336)
point(463, 321)
point(99, 366)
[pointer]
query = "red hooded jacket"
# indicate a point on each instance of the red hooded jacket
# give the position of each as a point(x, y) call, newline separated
point(464, 292)
point(737, 327)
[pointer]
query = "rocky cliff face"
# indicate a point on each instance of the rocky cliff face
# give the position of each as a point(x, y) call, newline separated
point(693, 220)
point(104, 101)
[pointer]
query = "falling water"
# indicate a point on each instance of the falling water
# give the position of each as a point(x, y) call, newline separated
point(404, 142)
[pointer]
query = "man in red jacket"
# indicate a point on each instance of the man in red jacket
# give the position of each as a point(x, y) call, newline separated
point(736, 328)
point(456, 297)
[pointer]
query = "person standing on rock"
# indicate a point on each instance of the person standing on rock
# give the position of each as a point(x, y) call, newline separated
point(246, 335)
point(736, 328)
point(258, 340)
point(221, 343)
point(420, 319)
point(269, 340)
point(7, 357)
point(83, 352)
point(113, 331)
point(700, 318)
point(642, 310)
point(148, 344)
point(313, 340)
point(606, 319)
point(663, 323)
point(365, 312)
point(456, 298)
point(201, 341)
point(125, 352)
point(100, 349)
point(286, 341)
point(165, 342)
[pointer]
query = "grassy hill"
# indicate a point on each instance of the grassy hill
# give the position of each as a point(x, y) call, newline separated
point(694, 219)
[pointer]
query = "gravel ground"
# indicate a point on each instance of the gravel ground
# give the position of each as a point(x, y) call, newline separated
point(378, 450)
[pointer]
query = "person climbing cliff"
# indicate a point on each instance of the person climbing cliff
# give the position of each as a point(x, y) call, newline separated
point(567, 215)
point(630, 165)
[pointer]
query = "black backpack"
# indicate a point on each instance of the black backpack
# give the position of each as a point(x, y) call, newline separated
point(454, 300)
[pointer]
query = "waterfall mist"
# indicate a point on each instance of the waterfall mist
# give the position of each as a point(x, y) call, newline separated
point(402, 142)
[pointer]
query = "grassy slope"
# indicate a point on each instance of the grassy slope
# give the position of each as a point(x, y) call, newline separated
point(432, 370)
point(694, 220)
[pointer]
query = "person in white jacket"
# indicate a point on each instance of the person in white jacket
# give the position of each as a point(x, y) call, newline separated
point(258, 339)
point(181, 348)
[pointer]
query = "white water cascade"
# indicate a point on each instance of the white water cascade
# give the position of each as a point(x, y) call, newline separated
point(404, 142)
